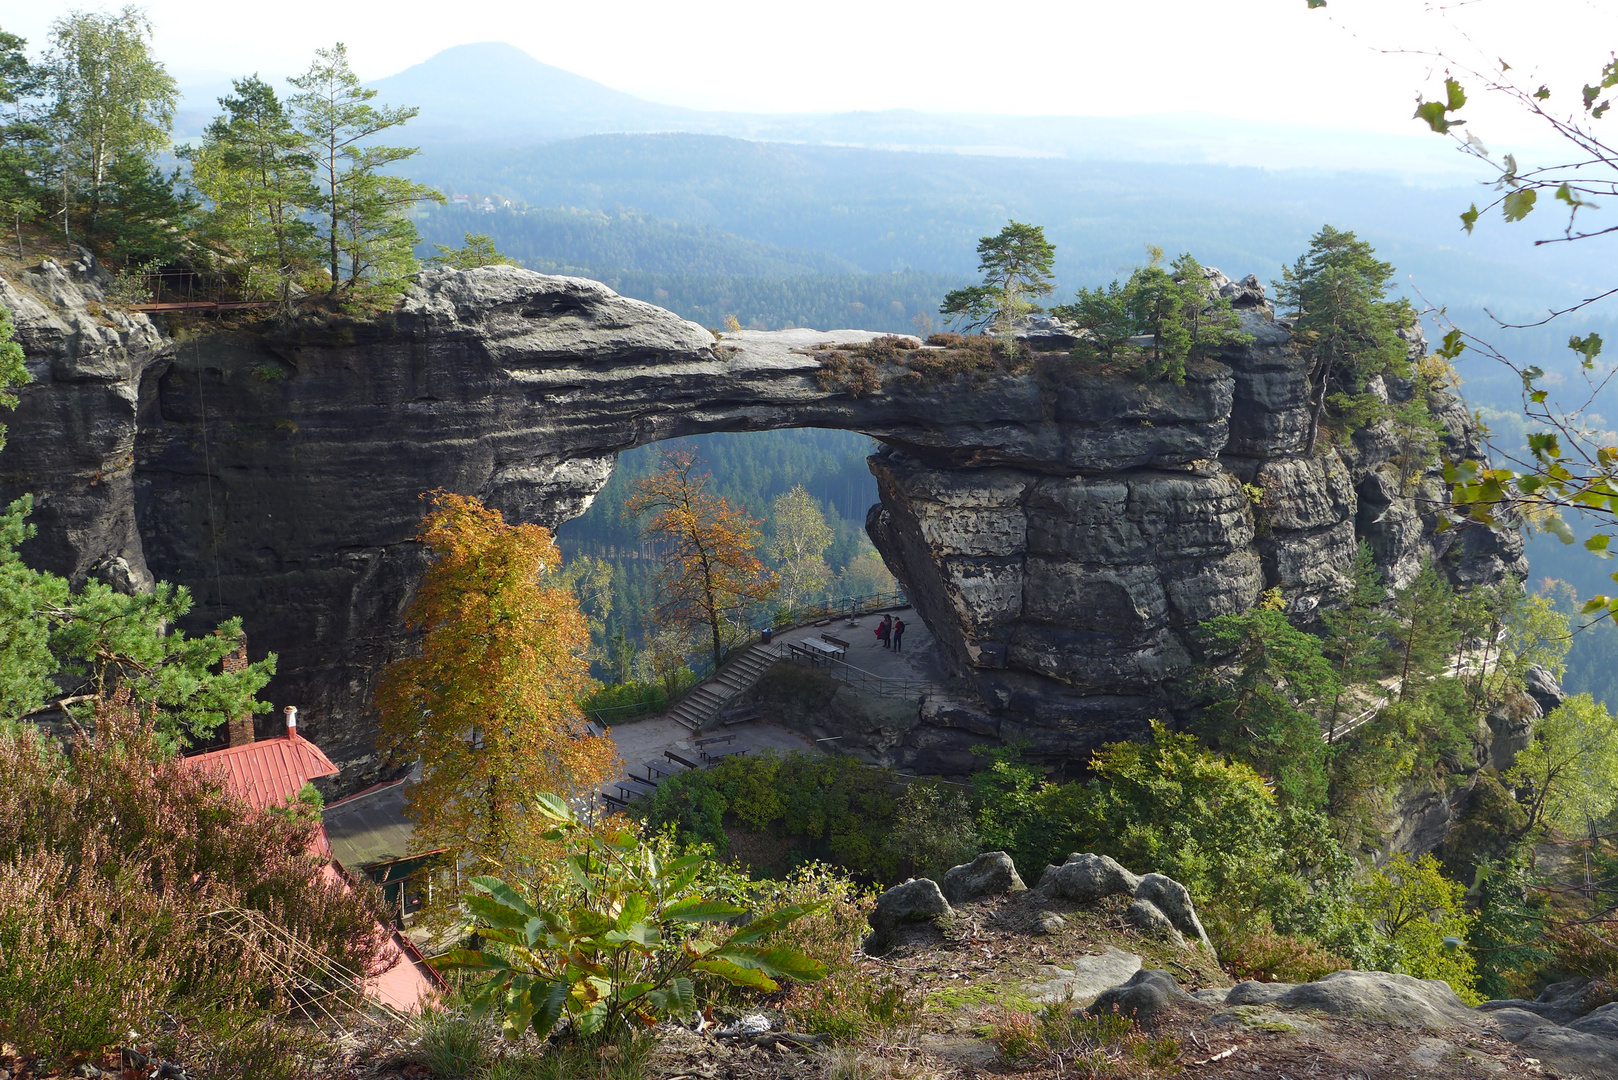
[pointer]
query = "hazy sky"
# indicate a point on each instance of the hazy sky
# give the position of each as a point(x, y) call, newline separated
point(1253, 59)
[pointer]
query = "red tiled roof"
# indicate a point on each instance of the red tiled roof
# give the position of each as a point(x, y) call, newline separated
point(268, 772)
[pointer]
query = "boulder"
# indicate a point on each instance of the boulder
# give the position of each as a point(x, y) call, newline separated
point(1377, 996)
point(1086, 878)
point(1147, 916)
point(1603, 1021)
point(1087, 977)
point(917, 900)
point(1562, 1002)
point(1146, 995)
point(990, 874)
point(1173, 900)
point(1585, 1047)
point(1046, 333)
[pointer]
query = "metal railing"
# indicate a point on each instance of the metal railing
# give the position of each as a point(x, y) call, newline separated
point(866, 681)
point(840, 607)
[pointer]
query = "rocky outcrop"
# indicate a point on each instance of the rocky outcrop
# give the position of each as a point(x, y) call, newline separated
point(990, 874)
point(1059, 530)
point(71, 442)
point(1159, 904)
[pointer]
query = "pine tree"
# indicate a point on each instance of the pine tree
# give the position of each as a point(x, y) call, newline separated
point(1337, 293)
point(1356, 630)
point(1016, 265)
point(254, 168)
point(362, 210)
point(1424, 630)
point(1276, 676)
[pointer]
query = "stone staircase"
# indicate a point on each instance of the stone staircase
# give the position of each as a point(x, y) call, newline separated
point(738, 675)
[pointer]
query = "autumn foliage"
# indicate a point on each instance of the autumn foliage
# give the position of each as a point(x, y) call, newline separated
point(711, 570)
point(489, 705)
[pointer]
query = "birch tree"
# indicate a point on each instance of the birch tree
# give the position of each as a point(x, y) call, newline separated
point(110, 99)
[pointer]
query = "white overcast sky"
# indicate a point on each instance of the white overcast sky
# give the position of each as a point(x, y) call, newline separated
point(1254, 59)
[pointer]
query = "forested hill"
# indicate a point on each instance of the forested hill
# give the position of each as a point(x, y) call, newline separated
point(700, 271)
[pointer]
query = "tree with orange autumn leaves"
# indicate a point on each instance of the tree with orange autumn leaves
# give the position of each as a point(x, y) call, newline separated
point(711, 571)
point(489, 705)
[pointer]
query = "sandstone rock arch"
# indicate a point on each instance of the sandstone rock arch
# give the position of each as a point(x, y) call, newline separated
point(1060, 530)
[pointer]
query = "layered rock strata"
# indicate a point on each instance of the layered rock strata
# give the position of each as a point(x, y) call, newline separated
point(1061, 531)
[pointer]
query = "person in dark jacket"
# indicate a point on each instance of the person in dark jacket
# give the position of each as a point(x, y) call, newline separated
point(898, 633)
point(883, 629)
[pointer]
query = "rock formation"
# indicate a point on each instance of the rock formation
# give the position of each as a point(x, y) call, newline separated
point(1061, 531)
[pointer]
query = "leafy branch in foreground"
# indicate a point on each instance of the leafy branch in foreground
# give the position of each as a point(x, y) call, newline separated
point(625, 941)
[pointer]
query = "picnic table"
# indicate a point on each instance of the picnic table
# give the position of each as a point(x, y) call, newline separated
point(822, 650)
point(728, 750)
point(658, 768)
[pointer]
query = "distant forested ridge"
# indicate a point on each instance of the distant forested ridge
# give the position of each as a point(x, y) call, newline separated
point(698, 271)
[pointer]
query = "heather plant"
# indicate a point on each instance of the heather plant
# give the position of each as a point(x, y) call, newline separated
point(134, 887)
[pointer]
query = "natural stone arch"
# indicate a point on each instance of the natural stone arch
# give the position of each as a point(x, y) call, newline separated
point(1003, 499)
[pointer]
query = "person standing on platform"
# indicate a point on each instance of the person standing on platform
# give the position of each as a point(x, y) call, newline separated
point(898, 634)
point(883, 629)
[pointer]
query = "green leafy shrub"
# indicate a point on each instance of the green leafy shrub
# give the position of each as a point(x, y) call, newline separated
point(1169, 806)
point(1405, 917)
point(624, 939)
point(618, 703)
point(830, 806)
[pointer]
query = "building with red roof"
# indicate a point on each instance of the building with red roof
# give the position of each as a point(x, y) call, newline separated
point(272, 772)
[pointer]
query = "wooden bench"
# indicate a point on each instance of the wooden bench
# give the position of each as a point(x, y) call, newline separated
point(837, 641)
point(712, 739)
point(614, 801)
point(739, 716)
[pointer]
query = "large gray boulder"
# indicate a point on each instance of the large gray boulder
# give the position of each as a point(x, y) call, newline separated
point(1565, 1027)
point(1146, 995)
point(1561, 1002)
point(990, 874)
point(1173, 901)
point(1086, 878)
point(1377, 996)
point(917, 900)
point(1586, 1048)
point(1084, 979)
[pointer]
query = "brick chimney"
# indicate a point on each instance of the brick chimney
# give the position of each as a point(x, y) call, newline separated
point(239, 730)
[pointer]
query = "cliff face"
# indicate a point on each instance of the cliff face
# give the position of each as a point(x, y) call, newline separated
point(1060, 532)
